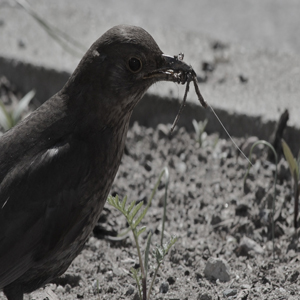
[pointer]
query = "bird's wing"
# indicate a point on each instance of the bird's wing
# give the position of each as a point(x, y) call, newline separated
point(40, 201)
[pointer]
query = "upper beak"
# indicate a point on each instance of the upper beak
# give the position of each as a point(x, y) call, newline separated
point(176, 63)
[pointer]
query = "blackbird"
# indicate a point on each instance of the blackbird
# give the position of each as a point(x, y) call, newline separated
point(57, 165)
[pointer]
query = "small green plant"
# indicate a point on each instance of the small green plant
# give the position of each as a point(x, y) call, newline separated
point(9, 118)
point(200, 130)
point(201, 135)
point(134, 215)
point(294, 165)
point(275, 182)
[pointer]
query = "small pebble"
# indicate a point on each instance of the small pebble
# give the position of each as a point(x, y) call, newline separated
point(164, 287)
point(229, 292)
point(204, 296)
point(129, 291)
point(60, 289)
point(171, 280)
point(216, 268)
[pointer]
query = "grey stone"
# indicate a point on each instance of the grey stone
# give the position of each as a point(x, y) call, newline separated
point(217, 268)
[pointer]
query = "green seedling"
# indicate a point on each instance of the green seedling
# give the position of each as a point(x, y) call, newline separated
point(134, 214)
point(9, 118)
point(294, 165)
point(275, 179)
point(200, 130)
point(201, 134)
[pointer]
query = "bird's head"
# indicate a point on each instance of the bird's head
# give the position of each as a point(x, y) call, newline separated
point(122, 64)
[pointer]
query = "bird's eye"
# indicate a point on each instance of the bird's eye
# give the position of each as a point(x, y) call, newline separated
point(134, 64)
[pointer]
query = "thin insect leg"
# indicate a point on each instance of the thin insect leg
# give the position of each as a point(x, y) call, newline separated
point(202, 101)
point(181, 106)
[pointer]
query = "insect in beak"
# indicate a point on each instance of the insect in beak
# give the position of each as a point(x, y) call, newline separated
point(184, 74)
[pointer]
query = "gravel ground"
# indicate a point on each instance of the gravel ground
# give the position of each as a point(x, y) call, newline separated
point(218, 220)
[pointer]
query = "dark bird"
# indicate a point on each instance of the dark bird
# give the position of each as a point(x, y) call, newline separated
point(57, 165)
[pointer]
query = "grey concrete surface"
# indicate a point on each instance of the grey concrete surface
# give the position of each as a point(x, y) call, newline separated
point(262, 38)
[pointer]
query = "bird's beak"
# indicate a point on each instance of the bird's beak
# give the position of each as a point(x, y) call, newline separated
point(173, 68)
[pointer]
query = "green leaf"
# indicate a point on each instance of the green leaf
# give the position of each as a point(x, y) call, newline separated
point(169, 244)
point(135, 211)
point(4, 117)
point(22, 106)
point(125, 232)
point(196, 127)
point(129, 209)
point(290, 159)
point(112, 200)
point(124, 202)
point(159, 254)
point(141, 230)
point(140, 217)
point(135, 273)
point(109, 199)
